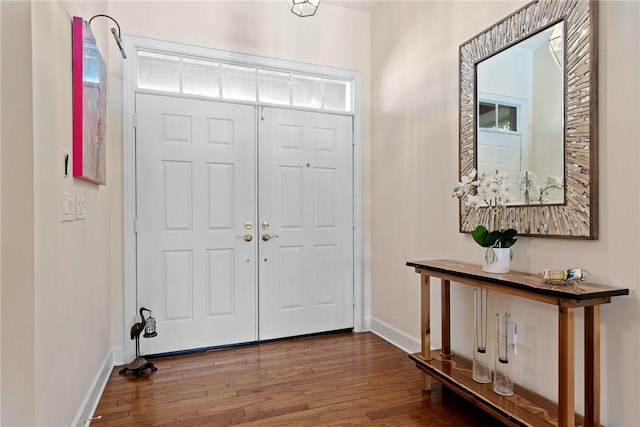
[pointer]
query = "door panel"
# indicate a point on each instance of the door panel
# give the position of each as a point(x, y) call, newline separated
point(195, 172)
point(501, 151)
point(305, 196)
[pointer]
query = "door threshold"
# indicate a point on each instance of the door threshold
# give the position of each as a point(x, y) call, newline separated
point(315, 334)
point(245, 344)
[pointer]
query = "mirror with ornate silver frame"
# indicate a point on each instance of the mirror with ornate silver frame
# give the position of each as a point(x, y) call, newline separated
point(577, 216)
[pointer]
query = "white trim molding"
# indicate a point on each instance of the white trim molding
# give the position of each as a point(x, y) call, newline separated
point(92, 398)
point(395, 336)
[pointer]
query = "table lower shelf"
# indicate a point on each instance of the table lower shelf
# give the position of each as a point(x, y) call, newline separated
point(524, 408)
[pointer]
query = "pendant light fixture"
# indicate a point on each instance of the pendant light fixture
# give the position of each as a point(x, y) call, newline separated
point(556, 44)
point(304, 8)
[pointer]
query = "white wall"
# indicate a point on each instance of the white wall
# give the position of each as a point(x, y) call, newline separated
point(18, 347)
point(546, 128)
point(55, 275)
point(508, 73)
point(414, 161)
point(0, 213)
point(334, 37)
point(72, 276)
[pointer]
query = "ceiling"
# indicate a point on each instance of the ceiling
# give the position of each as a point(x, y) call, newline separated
point(362, 5)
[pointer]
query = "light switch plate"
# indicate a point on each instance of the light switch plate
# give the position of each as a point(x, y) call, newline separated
point(68, 207)
point(81, 204)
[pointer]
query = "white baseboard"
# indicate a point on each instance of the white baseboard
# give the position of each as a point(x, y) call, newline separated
point(91, 399)
point(404, 342)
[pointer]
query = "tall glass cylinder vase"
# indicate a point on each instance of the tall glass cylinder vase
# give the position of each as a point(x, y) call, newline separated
point(502, 381)
point(481, 360)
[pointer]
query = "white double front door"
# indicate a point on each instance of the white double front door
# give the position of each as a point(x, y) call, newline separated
point(244, 222)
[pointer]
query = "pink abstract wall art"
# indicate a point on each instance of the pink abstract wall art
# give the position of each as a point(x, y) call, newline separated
point(89, 105)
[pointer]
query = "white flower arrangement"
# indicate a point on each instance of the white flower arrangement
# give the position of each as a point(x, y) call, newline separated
point(534, 192)
point(490, 191)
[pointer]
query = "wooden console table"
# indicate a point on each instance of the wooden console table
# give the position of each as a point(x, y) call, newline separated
point(524, 408)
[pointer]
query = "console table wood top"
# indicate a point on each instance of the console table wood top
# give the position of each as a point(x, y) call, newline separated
point(529, 284)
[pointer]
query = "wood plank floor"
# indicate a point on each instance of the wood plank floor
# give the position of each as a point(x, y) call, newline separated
point(329, 380)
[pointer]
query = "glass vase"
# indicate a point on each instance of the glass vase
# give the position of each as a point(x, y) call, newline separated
point(481, 361)
point(502, 381)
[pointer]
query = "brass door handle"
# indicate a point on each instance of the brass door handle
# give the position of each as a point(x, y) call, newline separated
point(266, 237)
point(246, 237)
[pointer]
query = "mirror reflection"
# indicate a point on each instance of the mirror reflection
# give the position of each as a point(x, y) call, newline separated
point(517, 132)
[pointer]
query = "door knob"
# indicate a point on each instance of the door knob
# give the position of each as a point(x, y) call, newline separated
point(246, 237)
point(266, 237)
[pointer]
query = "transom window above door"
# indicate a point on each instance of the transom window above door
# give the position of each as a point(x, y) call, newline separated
point(218, 79)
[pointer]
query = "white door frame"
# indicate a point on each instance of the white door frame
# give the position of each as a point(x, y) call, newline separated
point(132, 44)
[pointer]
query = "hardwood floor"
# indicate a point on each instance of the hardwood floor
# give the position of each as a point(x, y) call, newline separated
point(329, 380)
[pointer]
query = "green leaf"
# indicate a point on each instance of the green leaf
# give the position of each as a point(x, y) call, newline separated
point(498, 238)
point(510, 233)
point(508, 238)
point(507, 243)
point(481, 236)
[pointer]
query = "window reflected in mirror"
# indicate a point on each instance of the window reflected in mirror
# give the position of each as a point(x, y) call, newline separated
point(497, 116)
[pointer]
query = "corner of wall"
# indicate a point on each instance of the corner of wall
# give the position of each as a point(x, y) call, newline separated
point(118, 356)
point(0, 209)
point(395, 336)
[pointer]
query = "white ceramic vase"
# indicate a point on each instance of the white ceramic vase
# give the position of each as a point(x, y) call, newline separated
point(496, 260)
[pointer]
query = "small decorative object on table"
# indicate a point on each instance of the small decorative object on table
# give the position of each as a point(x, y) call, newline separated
point(568, 276)
point(490, 192)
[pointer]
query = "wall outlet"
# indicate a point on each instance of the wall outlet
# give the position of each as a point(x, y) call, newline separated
point(68, 207)
point(81, 206)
